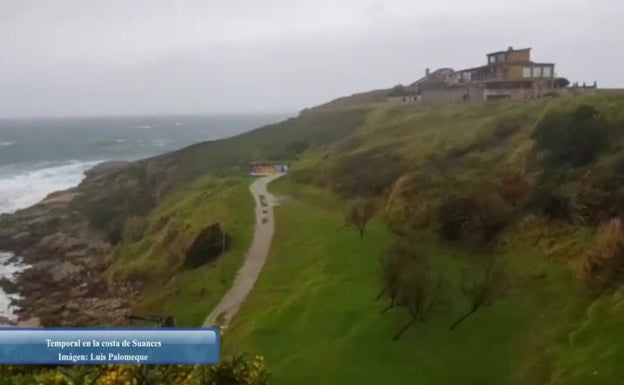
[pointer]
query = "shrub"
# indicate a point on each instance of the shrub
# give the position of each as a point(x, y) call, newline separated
point(359, 213)
point(480, 216)
point(551, 203)
point(600, 196)
point(366, 174)
point(408, 283)
point(411, 203)
point(514, 187)
point(209, 244)
point(573, 138)
point(602, 266)
point(238, 370)
point(505, 129)
point(453, 215)
point(561, 82)
point(296, 147)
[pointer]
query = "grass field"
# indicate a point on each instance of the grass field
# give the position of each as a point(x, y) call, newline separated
point(314, 317)
point(187, 294)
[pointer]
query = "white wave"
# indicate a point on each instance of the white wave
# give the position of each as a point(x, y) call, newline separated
point(7, 144)
point(143, 126)
point(178, 124)
point(9, 269)
point(21, 189)
point(121, 140)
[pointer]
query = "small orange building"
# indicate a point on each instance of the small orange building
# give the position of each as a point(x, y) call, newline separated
point(265, 168)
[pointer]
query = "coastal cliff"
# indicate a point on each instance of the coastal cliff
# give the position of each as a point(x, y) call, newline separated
point(63, 285)
point(76, 241)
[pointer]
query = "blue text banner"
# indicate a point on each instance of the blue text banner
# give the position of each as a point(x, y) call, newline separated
point(109, 346)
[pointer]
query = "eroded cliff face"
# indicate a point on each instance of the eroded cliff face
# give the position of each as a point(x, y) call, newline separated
point(64, 285)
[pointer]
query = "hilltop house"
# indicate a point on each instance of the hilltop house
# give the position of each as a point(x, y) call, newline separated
point(430, 83)
point(510, 74)
point(403, 95)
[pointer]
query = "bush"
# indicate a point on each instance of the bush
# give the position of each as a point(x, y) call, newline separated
point(366, 174)
point(296, 147)
point(411, 203)
point(551, 203)
point(453, 216)
point(358, 213)
point(602, 266)
point(514, 187)
point(241, 369)
point(600, 196)
point(238, 370)
point(561, 82)
point(209, 244)
point(479, 216)
point(573, 138)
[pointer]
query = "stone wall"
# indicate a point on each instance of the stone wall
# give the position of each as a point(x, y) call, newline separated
point(441, 96)
point(611, 91)
point(405, 99)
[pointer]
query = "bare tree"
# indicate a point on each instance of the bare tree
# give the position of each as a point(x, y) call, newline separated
point(359, 213)
point(407, 283)
point(392, 264)
point(419, 294)
point(482, 290)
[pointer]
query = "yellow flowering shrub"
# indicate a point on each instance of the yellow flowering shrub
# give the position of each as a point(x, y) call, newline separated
point(237, 370)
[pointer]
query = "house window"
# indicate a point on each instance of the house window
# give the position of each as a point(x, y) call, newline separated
point(501, 57)
point(526, 72)
point(492, 59)
point(547, 72)
point(537, 72)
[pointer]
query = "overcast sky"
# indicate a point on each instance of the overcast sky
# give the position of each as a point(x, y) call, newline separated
point(95, 57)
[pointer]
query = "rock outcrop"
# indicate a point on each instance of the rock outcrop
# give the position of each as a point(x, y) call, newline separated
point(64, 285)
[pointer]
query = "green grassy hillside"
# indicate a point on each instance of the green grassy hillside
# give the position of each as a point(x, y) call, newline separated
point(154, 257)
point(314, 313)
point(315, 317)
point(467, 185)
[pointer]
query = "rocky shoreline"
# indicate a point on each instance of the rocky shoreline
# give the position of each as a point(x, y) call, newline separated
point(65, 284)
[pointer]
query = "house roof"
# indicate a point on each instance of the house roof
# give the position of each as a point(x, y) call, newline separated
point(439, 76)
point(510, 49)
point(267, 162)
point(527, 63)
point(402, 92)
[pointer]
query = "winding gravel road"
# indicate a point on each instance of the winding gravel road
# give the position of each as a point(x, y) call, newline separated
point(255, 258)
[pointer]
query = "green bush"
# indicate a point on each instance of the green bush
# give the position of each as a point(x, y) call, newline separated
point(514, 187)
point(209, 244)
point(238, 370)
point(366, 174)
point(599, 196)
point(478, 216)
point(572, 138)
point(296, 147)
point(602, 265)
point(551, 203)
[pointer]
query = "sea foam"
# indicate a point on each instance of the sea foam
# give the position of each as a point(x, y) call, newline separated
point(26, 187)
point(21, 188)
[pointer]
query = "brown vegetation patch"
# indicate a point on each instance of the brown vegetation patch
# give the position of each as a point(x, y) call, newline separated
point(602, 266)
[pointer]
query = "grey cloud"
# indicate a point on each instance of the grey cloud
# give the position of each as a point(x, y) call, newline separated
point(73, 57)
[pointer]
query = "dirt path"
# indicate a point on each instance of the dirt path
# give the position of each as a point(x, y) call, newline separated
point(256, 255)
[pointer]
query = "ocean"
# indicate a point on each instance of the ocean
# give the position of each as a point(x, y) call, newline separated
point(40, 156)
